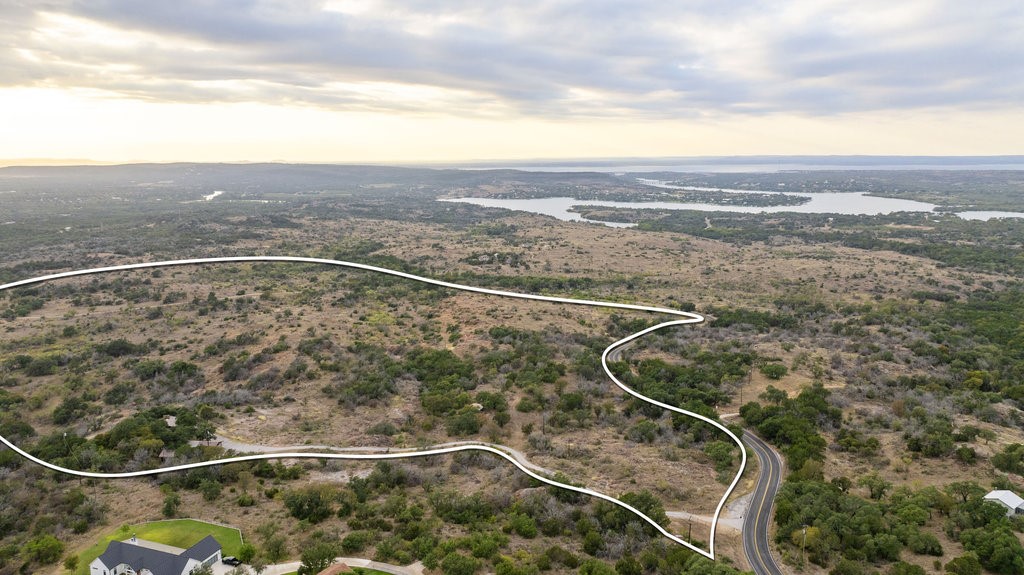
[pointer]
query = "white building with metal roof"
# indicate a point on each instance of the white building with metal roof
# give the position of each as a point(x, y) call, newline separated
point(1014, 503)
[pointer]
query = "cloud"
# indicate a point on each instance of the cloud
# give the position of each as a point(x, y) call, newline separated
point(599, 58)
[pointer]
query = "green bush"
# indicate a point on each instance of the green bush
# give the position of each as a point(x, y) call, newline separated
point(246, 552)
point(466, 422)
point(1010, 459)
point(774, 370)
point(45, 549)
point(645, 431)
point(458, 564)
point(149, 368)
point(595, 567)
point(356, 541)
point(312, 504)
point(40, 366)
point(720, 453)
point(966, 564)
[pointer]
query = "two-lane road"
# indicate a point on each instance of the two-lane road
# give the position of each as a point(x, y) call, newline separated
point(758, 518)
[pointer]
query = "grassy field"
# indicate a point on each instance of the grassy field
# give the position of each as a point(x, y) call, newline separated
point(182, 533)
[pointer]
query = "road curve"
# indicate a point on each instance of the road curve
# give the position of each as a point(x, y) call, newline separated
point(758, 518)
point(689, 318)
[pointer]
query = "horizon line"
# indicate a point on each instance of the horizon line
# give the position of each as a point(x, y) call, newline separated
point(966, 159)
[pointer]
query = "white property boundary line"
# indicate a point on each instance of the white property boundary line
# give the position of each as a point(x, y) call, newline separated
point(689, 319)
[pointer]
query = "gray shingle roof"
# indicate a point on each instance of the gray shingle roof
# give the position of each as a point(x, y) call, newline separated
point(200, 551)
point(159, 562)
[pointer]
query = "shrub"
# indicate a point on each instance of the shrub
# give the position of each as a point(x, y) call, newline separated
point(774, 370)
point(458, 564)
point(595, 567)
point(720, 453)
point(41, 366)
point(149, 368)
point(311, 504)
point(171, 504)
point(466, 422)
point(246, 552)
point(45, 549)
point(966, 564)
point(643, 432)
point(383, 428)
point(210, 490)
point(356, 541)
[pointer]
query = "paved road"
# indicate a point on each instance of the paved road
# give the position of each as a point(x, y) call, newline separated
point(758, 518)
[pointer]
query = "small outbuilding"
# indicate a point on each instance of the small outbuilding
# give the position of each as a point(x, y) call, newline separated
point(1014, 503)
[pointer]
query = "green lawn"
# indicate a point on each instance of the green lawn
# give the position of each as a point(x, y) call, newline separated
point(182, 533)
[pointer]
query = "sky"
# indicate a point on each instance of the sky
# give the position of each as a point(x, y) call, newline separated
point(422, 80)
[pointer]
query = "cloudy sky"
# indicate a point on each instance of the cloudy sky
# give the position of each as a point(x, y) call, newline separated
point(407, 80)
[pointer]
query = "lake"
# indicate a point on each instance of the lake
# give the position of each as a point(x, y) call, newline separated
point(852, 203)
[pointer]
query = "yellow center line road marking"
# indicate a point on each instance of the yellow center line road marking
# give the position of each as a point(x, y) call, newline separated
point(689, 318)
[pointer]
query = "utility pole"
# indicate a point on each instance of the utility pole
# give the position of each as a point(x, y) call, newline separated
point(803, 545)
point(689, 529)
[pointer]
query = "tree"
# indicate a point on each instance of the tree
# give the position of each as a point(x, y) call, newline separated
point(458, 564)
point(258, 564)
point(877, 486)
point(1010, 459)
point(210, 490)
point(965, 490)
point(648, 504)
point(720, 453)
point(275, 548)
point(997, 548)
point(45, 549)
point(842, 483)
point(595, 567)
point(246, 552)
point(773, 394)
point(171, 503)
point(847, 567)
point(966, 455)
point(523, 525)
point(774, 370)
point(318, 557)
point(311, 504)
point(798, 539)
point(904, 568)
point(966, 564)
point(628, 565)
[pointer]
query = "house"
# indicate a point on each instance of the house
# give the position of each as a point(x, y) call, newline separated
point(1013, 503)
point(336, 569)
point(135, 557)
point(206, 443)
